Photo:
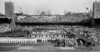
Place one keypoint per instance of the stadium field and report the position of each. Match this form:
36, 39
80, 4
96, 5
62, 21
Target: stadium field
51, 49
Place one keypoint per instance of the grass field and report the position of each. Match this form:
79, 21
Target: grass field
48, 48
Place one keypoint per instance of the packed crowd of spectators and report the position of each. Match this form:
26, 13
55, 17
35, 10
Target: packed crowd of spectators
88, 33
4, 27
55, 18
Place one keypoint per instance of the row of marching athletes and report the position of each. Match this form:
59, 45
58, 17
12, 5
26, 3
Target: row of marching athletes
27, 40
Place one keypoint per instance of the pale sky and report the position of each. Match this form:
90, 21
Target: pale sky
55, 6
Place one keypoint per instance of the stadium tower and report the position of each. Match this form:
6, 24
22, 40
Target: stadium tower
9, 13
96, 11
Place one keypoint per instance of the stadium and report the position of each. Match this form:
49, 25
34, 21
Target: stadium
51, 32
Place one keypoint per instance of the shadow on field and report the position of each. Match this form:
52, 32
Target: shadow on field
8, 48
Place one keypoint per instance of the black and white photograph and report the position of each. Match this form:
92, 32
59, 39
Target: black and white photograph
49, 25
